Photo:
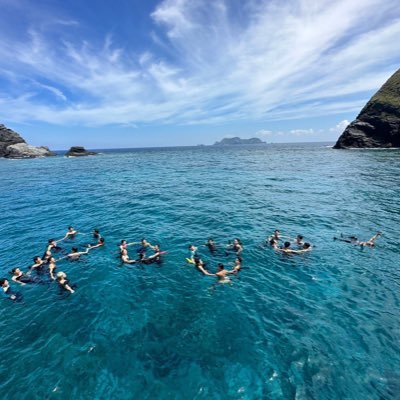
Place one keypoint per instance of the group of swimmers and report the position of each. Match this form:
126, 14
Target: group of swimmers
43, 270
46, 265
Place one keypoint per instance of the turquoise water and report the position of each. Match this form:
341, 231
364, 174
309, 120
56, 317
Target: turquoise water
324, 325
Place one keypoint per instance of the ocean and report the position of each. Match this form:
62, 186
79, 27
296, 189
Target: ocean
320, 325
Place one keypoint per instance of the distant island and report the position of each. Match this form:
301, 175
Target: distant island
237, 140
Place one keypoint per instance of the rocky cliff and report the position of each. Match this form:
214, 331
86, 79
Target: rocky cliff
7, 138
378, 124
12, 145
78, 151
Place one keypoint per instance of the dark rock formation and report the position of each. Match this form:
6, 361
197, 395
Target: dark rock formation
378, 124
78, 151
237, 140
12, 145
23, 150
7, 138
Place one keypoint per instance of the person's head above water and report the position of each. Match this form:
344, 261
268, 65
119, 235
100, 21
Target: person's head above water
123, 241
286, 245
124, 252
273, 242
70, 228
220, 266
61, 275
74, 250
306, 245
37, 259
3, 282
16, 271
299, 238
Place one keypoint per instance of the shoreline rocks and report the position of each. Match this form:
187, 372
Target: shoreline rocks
12, 145
378, 124
79, 151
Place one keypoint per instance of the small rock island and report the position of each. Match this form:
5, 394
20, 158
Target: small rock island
79, 151
378, 124
237, 140
12, 145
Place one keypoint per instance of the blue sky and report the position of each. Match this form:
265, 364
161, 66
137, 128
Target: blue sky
137, 73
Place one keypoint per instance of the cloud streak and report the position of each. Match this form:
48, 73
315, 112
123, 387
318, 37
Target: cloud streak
207, 66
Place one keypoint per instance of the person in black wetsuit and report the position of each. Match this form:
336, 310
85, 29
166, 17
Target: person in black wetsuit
38, 265
235, 247
8, 292
19, 277
64, 283
100, 243
211, 246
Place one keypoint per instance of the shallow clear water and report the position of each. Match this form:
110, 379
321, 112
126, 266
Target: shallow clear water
325, 325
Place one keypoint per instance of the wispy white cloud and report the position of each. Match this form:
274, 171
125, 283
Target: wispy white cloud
274, 61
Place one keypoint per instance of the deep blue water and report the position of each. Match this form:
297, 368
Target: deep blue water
324, 325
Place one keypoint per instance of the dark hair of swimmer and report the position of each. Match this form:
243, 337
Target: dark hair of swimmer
35, 259
123, 241
70, 227
13, 270
306, 245
50, 241
2, 281
74, 250
239, 259
96, 231
220, 266
300, 237
101, 240
190, 246
286, 245
272, 241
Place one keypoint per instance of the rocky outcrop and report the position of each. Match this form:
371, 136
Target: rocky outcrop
24, 150
7, 138
378, 124
237, 140
12, 145
78, 151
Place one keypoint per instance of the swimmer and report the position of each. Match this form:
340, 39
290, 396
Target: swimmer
46, 256
236, 247
299, 240
71, 233
200, 265
237, 265
370, 242
63, 282
273, 243
123, 245
156, 257
144, 244
52, 267
100, 243
75, 254
96, 234
5, 285
193, 253
20, 277
223, 273
125, 258
38, 265
52, 245
211, 246
286, 248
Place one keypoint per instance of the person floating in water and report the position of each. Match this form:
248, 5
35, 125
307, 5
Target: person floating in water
210, 244
193, 253
235, 247
356, 242
125, 258
20, 277
51, 267
288, 250
75, 254
63, 282
273, 243
154, 258
71, 233
38, 265
201, 266
237, 266
96, 234
8, 292
100, 243
222, 274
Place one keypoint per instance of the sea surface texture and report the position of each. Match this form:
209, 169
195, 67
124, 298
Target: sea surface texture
322, 325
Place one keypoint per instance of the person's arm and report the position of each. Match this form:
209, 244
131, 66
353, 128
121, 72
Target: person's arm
14, 278
81, 253
66, 286
204, 271
51, 270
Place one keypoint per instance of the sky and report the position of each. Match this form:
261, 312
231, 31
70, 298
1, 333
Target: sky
143, 73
